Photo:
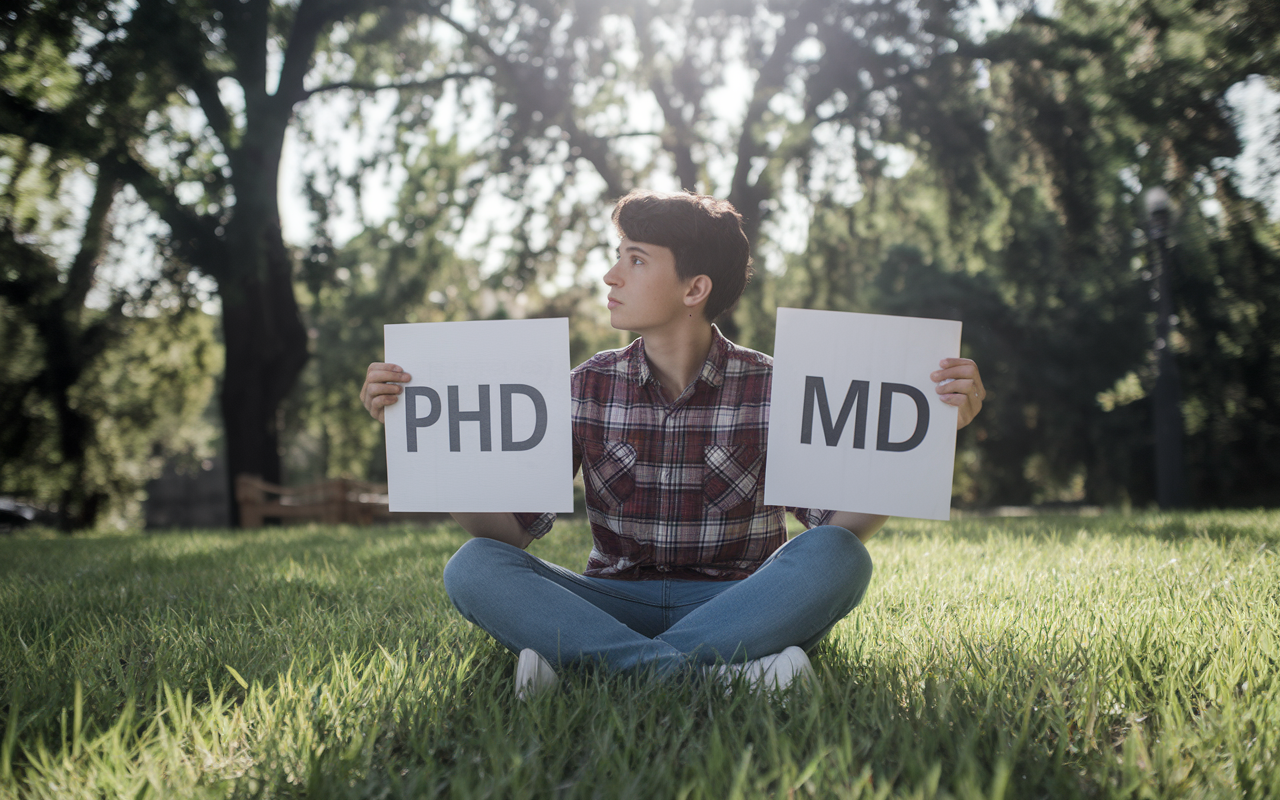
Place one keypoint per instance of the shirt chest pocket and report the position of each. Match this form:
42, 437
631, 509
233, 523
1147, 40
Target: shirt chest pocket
731, 476
611, 473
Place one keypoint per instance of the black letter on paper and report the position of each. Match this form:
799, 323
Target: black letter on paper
815, 388
411, 419
887, 391
539, 410
456, 418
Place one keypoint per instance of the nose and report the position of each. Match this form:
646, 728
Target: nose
611, 277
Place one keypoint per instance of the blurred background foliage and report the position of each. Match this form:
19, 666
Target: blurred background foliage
208, 208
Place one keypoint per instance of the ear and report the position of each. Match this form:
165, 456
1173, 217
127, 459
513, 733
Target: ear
697, 290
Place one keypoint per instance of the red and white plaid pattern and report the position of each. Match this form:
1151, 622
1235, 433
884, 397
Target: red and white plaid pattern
675, 491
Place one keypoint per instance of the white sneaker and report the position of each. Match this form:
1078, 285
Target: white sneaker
533, 674
783, 669
771, 673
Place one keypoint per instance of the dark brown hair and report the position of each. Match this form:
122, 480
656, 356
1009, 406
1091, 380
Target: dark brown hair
704, 234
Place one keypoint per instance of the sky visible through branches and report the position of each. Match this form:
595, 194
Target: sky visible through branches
351, 129
484, 239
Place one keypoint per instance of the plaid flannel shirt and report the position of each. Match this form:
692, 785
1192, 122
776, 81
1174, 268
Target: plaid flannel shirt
675, 490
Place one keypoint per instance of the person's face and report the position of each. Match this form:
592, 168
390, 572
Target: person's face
645, 293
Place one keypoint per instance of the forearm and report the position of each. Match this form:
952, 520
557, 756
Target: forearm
501, 526
861, 525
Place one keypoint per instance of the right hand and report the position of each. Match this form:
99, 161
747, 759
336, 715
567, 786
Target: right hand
382, 388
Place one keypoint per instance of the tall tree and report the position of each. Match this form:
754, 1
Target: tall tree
1110, 100
93, 392
1041, 251
83, 424
189, 102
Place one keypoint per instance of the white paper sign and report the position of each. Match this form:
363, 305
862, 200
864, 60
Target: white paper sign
484, 424
855, 423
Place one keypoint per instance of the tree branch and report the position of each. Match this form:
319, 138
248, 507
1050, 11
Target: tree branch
771, 75
185, 47
626, 134
594, 150
205, 85
309, 19
591, 146
194, 237
81, 273
426, 83
246, 26
50, 129
677, 143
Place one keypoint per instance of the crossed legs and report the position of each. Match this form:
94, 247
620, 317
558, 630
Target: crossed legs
795, 598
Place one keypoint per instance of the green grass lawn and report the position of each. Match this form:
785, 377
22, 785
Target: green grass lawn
1117, 656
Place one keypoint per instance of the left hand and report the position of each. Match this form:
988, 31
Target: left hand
959, 384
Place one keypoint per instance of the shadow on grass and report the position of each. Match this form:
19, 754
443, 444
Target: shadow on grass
441, 720
867, 729
303, 617
120, 616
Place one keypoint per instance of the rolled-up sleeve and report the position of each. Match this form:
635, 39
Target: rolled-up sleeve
812, 517
535, 524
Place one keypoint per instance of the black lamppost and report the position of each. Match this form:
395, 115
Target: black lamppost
1166, 398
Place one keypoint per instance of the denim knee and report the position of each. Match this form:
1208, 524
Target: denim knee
841, 559
470, 570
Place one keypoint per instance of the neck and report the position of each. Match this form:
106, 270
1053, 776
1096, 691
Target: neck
676, 354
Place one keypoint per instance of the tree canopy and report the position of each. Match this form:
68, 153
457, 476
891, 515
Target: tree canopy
889, 157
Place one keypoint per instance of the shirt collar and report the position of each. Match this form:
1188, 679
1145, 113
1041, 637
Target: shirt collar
712, 372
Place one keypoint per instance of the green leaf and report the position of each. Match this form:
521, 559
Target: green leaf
239, 678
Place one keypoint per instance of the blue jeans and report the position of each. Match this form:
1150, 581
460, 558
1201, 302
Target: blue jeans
795, 598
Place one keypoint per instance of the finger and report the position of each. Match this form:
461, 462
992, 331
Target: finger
387, 376
383, 388
376, 390
955, 371
960, 392
971, 387
961, 386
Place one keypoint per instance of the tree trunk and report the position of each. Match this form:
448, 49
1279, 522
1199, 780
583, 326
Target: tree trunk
72, 347
266, 349
266, 342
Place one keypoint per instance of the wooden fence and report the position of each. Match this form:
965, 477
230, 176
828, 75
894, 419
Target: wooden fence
332, 501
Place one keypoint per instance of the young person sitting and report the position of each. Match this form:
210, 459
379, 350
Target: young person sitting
689, 567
